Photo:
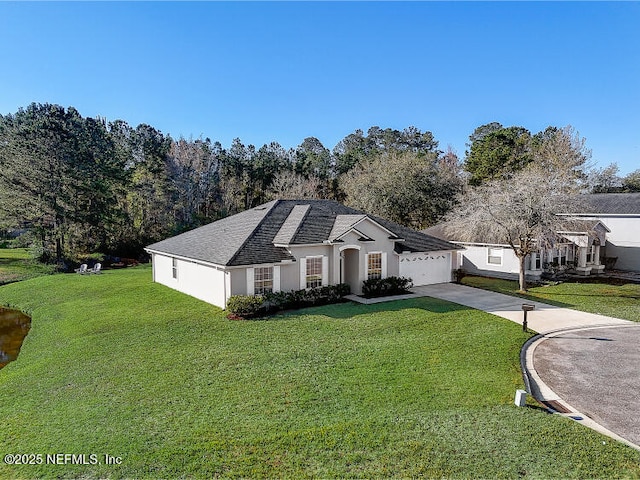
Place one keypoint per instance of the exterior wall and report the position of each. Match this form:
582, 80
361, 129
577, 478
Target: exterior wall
290, 277
475, 262
200, 281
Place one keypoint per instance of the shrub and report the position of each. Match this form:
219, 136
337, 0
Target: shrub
248, 306
245, 306
307, 298
382, 287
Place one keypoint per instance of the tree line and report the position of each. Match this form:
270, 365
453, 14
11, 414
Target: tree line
79, 184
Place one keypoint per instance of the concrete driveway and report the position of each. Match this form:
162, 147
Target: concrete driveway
583, 365
545, 318
593, 372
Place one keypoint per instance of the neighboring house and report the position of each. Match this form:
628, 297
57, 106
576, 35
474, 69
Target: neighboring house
620, 212
296, 244
577, 249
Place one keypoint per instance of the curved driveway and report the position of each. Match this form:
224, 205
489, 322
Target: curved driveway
584, 364
597, 372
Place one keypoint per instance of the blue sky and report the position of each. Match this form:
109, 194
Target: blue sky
284, 71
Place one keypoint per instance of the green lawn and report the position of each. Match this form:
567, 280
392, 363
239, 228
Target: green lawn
117, 365
620, 301
16, 265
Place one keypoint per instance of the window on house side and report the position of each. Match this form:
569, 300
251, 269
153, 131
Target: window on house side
374, 266
174, 268
494, 256
262, 280
314, 272
590, 254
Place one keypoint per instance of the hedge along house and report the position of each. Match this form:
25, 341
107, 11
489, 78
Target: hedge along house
296, 244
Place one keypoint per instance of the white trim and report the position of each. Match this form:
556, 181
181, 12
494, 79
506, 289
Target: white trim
276, 278
597, 216
251, 279
227, 288
347, 247
303, 273
383, 265
187, 259
325, 270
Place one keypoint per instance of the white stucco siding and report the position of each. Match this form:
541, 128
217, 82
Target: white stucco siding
476, 261
426, 268
623, 241
200, 281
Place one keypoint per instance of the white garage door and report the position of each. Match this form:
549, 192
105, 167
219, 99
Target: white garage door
426, 268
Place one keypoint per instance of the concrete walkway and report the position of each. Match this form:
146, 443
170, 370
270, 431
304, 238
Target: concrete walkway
555, 360
544, 319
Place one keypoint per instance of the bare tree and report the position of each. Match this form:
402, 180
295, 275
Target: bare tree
287, 184
522, 211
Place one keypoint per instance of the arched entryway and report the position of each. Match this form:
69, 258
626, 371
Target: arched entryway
350, 268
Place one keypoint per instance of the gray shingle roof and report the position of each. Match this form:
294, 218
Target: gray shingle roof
248, 237
216, 242
612, 203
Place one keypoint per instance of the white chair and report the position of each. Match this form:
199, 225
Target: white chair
96, 268
82, 270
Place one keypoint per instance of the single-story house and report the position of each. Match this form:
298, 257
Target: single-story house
577, 248
295, 244
620, 212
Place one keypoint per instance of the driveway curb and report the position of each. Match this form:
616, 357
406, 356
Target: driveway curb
544, 395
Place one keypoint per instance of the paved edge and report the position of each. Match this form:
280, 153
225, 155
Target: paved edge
544, 395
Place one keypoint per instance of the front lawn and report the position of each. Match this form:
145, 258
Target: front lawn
16, 264
620, 301
117, 365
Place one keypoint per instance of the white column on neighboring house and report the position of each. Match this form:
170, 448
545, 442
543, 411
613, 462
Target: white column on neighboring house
596, 255
582, 257
532, 261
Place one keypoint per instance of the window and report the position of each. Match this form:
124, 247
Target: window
494, 256
374, 266
174, 268
560, 256
263, 280
314, 272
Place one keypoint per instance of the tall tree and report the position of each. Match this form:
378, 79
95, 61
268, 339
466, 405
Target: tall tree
497, 153
521, 211
404, 187
357, 147
195, 177
605, 180
631, 182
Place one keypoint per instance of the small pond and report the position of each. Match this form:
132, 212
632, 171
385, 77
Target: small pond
14, 326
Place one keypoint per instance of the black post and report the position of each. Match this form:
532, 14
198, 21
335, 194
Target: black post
526, 308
